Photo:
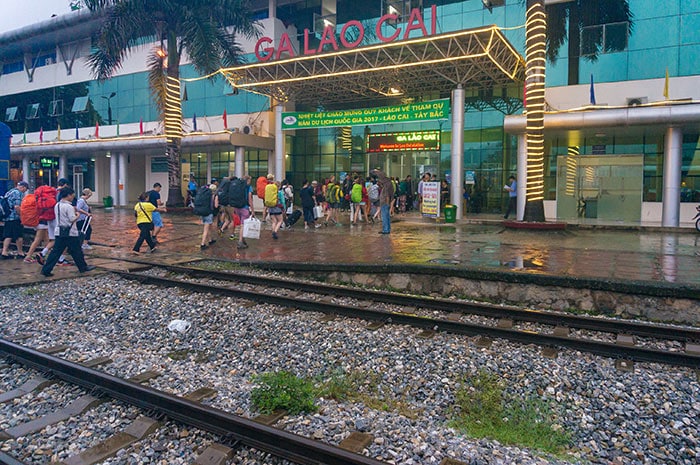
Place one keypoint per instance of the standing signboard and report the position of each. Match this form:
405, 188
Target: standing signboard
431, 200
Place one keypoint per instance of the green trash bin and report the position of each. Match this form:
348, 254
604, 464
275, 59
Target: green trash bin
107, 201
450, 213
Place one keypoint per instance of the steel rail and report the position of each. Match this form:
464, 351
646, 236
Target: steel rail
526, 337
256, 435
474, 308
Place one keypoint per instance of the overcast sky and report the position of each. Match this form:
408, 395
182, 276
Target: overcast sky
18, 13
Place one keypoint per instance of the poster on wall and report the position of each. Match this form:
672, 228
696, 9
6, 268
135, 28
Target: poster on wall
431, 200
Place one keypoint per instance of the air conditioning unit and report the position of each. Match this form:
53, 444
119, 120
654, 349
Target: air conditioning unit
636, 101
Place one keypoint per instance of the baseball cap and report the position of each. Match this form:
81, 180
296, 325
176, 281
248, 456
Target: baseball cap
23, 184
63, 181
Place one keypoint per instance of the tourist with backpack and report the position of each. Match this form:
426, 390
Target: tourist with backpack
358, 194
386, 197
241, 200
308, 202
205, 202
274, 202
46, 198
334, 195
13, 230
373, 197
143, 210
66, 233
154, 198
224, 213
29, 214
84, 211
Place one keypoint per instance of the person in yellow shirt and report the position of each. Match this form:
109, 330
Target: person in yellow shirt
144, 221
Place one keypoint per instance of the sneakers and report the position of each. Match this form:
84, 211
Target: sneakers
317, 226
46, 274
88, 268
232, 237
212, 241
152, 250
242, 245
274, 235
203, 246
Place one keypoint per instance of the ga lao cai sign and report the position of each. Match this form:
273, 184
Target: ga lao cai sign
266, 49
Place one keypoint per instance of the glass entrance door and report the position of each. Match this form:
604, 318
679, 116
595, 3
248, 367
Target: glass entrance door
600, 187
401, 164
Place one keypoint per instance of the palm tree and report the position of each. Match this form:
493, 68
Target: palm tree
205, 29
582, 14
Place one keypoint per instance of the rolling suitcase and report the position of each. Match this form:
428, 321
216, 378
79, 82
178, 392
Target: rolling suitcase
293, 218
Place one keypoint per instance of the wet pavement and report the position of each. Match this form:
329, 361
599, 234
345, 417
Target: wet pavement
657, 255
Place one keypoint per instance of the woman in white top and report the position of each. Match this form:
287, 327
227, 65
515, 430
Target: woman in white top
67, 235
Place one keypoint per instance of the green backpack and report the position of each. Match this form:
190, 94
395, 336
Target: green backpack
356, 194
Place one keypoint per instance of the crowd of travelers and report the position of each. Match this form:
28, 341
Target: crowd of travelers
226, 209
61, 221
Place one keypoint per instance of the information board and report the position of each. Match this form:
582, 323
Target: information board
430, 206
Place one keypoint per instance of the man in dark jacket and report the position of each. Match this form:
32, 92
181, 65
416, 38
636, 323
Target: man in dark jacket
386, 196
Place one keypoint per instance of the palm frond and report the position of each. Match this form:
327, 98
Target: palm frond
557, 16
157, 79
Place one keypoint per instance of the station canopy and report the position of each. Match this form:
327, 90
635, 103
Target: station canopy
480, 58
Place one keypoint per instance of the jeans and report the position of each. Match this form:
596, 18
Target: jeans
386, 218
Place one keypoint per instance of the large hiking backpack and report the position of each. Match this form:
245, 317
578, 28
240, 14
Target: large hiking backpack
5, 208
334, 193
356, 193
28, 213
202, 201
271, 199
45, 201
260, 185
224, 199
373, 193
237, 193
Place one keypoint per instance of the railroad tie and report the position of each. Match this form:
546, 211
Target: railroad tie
77, 407
136, 431
356, 442
215, 454
37, 383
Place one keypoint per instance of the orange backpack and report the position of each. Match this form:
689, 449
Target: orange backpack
260, 185
28, 211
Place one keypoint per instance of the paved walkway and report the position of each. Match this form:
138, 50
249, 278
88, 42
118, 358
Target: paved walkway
601, 252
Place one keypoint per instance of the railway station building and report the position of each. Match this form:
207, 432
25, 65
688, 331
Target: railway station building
335, 87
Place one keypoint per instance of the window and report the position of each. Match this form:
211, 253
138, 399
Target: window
15, 67
11, 114
32, 111
80, 104
604, 38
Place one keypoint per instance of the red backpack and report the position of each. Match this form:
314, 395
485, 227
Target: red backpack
260, 185
45, 201
28, 213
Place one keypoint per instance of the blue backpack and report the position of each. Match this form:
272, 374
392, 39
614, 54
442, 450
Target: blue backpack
5, 208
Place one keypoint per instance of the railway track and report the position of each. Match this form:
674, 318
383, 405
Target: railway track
557, 331
156, 405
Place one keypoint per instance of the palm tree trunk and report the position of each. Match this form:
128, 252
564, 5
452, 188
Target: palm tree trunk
535, 44
173, 124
